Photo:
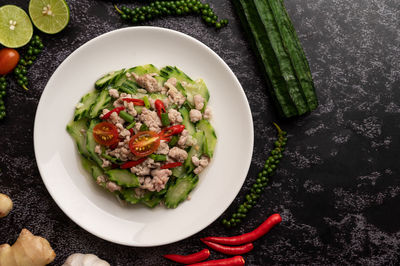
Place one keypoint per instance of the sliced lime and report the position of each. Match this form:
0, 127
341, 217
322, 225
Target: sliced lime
49, 16
15, 26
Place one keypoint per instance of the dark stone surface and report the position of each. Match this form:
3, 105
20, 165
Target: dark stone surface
338, 186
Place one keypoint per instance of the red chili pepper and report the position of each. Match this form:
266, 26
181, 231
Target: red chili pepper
271, 221
132, 163
233, 261
137, 102
191, 258
159, 105
169, 131
131, 131
171, 165
229, 250
117, 110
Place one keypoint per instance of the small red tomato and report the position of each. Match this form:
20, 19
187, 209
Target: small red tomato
8, 60
105, 134
144, 143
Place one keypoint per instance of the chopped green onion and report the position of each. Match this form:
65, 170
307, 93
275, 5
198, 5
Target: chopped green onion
146, 102
127, 117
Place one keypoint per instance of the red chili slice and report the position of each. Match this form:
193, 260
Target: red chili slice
233, 261
131, 164
171, 165
229, 250
271, 221
137, 102
191, 258
159, 105
169, 131
117, 110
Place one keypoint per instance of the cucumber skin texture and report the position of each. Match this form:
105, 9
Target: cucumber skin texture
210, 139
87, 100
92, 168
91, 143
74, 129
296, 52
123, 177
196, 149
102, 101
108, 79
277, 42
179, 191
255, 31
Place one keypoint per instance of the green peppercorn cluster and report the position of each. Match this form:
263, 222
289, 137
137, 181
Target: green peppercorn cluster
3, 86
175, 8
34, 48
261, 182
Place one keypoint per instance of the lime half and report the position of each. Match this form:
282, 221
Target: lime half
49, 16
15, 26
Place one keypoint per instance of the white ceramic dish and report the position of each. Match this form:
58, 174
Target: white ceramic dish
96, 210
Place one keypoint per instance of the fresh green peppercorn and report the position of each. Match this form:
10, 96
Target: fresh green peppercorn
262, 179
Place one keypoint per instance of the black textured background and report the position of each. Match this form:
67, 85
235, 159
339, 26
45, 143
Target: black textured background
338, 186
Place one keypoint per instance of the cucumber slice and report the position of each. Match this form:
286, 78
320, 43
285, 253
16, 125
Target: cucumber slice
102, 100
85, 104
173, 72
157, 96
198, 88
145, 69
123, 177
128, 86
91, 143
210, 137
186, 121
108, 79
179, 191
92, 168
195, 150
179, 171
152, 199
75, 128
129, 195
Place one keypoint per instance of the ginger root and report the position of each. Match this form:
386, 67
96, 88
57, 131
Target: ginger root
79, 259
6, 205
28, 250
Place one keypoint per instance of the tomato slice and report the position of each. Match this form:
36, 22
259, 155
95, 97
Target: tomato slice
144, 143
105, 134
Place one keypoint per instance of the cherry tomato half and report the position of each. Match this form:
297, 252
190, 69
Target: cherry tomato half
8, 60
144, 143
105, 134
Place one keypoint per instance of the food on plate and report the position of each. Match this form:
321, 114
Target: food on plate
144, 134
15, 26
79, 259
6, 205
8, 60
280, 51
27, 250
190, 258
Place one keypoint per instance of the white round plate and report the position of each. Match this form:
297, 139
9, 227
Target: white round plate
97, 210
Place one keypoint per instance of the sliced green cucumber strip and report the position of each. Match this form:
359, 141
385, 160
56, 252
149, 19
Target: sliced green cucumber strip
179, 191
123, 177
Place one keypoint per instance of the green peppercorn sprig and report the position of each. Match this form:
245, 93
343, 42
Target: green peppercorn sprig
3, 86
34, 48
176, 8
261, 182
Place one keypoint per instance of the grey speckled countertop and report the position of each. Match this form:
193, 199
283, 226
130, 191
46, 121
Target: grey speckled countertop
338, 186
